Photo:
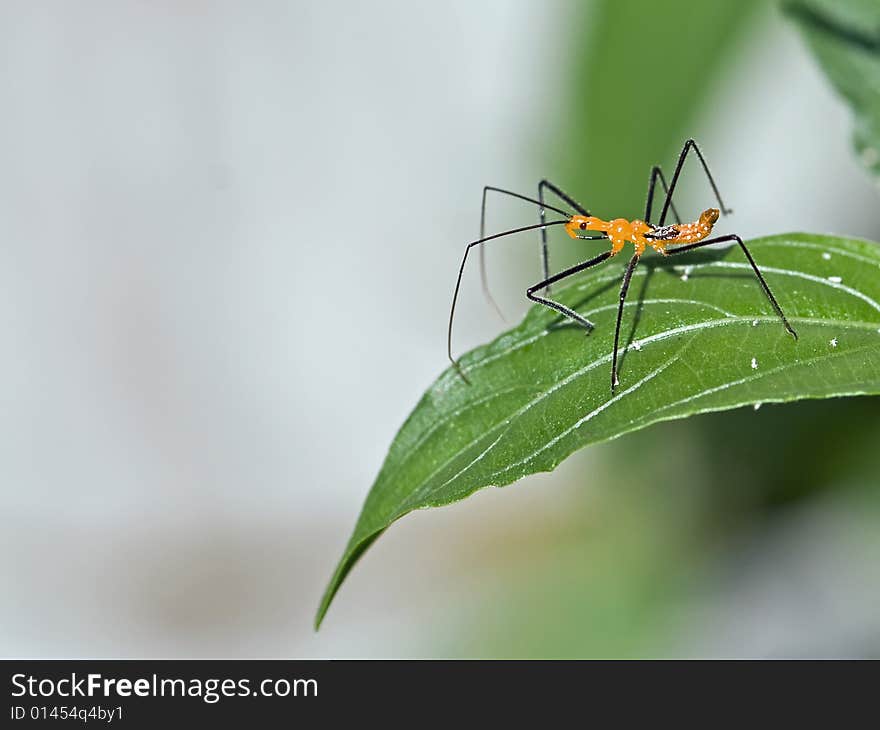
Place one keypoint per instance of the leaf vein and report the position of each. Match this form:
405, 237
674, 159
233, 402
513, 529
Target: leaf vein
789, 272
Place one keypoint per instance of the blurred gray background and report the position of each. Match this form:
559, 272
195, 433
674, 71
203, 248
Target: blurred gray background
229, 238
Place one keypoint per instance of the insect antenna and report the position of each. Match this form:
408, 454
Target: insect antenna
484, 279
467, 250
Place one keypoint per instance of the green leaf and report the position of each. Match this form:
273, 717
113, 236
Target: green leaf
698, 336
844, 35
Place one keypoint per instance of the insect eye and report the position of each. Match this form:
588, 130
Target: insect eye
583, 226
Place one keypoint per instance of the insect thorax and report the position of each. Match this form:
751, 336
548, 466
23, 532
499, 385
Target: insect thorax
664, 233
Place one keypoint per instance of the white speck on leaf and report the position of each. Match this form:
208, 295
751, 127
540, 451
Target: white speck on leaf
754, 364
833, 342
636, 345
757, 406
834, 279
826, 256
754, 323
686, 273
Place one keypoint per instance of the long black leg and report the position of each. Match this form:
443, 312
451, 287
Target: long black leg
484, 279
566, 198
764, 286
561, 308
688, 146
656, 173
623, 290
467, 250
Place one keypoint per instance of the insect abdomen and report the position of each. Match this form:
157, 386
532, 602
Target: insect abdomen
691, 233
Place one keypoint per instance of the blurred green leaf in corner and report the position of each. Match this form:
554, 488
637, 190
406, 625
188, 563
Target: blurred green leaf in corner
844, 35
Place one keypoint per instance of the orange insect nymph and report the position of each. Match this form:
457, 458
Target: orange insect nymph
668, 240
